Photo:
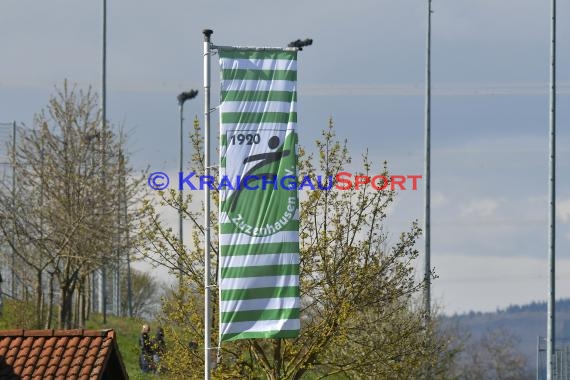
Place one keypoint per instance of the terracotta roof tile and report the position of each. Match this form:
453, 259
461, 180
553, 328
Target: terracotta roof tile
4, 344
50, 370
59, 354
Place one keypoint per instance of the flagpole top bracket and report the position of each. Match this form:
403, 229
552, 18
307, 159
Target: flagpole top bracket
207, 34
300, 44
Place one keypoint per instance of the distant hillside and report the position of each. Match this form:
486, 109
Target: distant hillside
527, 322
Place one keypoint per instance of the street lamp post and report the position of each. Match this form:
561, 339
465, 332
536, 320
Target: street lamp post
551, 368
182, 97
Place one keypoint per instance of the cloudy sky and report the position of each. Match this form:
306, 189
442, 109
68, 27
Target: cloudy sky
366, 70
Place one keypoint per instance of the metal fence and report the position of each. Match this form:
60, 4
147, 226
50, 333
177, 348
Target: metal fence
6, 173
105, 287
561, 360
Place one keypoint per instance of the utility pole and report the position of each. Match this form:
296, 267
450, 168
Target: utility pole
427, 170
182, 98
103, 282
551, 328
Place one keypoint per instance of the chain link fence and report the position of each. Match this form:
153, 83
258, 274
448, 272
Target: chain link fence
561, 360
7, 138
11, 285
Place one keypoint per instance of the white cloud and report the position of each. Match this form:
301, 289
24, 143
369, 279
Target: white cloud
563, 210
480, 208
438, 199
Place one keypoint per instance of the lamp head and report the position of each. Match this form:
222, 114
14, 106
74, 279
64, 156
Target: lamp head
186, 95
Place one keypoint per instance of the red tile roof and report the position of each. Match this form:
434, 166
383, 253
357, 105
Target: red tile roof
60, 354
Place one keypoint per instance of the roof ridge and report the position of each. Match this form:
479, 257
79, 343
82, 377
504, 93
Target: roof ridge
58, 332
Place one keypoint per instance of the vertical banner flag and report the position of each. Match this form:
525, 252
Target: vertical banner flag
259, 217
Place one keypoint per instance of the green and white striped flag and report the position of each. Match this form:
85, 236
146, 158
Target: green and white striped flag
259, 217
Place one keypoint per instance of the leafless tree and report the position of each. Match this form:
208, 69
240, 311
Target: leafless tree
62, 222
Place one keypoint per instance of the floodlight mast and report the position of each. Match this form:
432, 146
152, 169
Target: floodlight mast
551, 327
182, 98
427, 173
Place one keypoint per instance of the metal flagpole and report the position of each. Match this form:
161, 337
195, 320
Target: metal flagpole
427, 216
551, 339
180, 194
207, 317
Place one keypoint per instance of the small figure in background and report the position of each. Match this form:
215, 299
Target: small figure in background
145, 345
159, 347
